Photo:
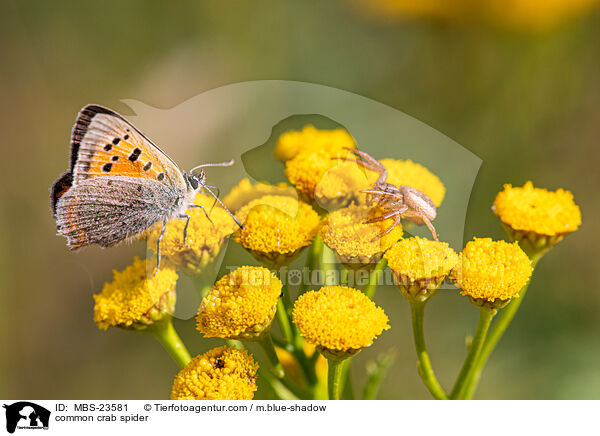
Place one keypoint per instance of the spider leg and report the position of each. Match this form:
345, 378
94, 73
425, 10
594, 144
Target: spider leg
185, 228
362, 163
382, 193
430, 227
374, 164
386, 215
389, 229
162, 232
205, 213
367, 162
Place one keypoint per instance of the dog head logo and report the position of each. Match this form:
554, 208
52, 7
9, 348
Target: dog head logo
26, 415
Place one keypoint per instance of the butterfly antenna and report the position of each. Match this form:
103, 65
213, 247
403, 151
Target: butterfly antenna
220, 164
224, 207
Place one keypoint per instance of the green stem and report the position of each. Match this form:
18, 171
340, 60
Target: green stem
284, 321
307, 366
313, 261
376, 371
279, 388
328, 263
348, 389
287, 300
496, 332
168, 337
266, 344
469, 366
374, 278
335, 370
424, 364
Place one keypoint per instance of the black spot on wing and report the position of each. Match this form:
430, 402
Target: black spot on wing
161, 176
107, 167
108, 147
115, 158
147, 166
135, 154
126, 137
116, 141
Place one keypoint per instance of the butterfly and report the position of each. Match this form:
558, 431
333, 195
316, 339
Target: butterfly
119, 184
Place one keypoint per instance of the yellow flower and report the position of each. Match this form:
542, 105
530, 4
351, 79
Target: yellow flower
241, 305
204, 238
537, 15
223, 373
535, 217
341, 185
245, 192
530, 15
136, 298
355, 243
307, 169
340, 321
420, 266
277, 228
491, 270
409, 173
311, 139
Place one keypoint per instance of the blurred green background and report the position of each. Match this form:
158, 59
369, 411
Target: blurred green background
516, 86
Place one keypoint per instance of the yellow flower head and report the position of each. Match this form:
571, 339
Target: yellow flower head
223, 373
409, 173
136, 298
536, 218
276, 228
340, 321
310, 139
488, 270
355, 243
204, 238
342, 184
420, 266
307, 169
241, 305
527, 15
535, 15
537, 210
245, 192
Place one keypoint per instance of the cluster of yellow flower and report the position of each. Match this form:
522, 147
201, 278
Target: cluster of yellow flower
279, 223
528, 15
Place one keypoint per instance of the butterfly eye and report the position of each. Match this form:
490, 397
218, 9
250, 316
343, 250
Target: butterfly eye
192, 179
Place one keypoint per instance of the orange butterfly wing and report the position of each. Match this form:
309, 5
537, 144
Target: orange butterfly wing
105, 143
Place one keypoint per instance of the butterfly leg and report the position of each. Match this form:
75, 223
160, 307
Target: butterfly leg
218, 193
162, 232
205, 213
185, 228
